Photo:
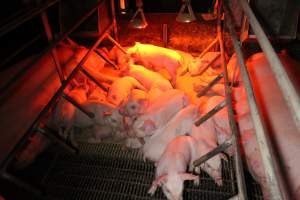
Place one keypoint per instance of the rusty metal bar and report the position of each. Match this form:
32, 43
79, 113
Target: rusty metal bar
287, 88
116, 43
242, 191
93, 79
263, 140
210, 113
106, 59
57, 139
208, 65
78, 106
23, 18
9, 58
46, 50
53, 50
212, 83
165, 35
113, 14
209, 47
209, 155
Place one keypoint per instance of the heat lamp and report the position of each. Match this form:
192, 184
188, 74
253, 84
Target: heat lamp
141, 22
183, 16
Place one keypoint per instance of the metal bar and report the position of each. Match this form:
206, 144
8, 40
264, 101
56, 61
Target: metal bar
9, 58
165, 35
21, 183
210, 113
53, 50
46, 50
116, 43
208, 65
242, 191
54, 98
78, 106
208, 48
212, 83
209, 155
57, 139
268, 158
106, 59
113, 13
29, 15
287, 88
236, 197
93, 79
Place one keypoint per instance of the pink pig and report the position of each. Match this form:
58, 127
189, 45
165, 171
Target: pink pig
181, 123
156, 58
171, 167
147, 77
160, 112
121, 88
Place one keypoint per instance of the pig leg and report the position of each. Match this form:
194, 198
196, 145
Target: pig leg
157, 182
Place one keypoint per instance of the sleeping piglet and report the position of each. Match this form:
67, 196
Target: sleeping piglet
181, 123
160, 112
171, 167
147, 77
121, 88
156, 58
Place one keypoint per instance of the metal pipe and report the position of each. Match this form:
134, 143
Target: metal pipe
165, 35
53, 99
212, 83
93, 79
106, 59
21, 183
210, 113
235, 137
262, 138
57, 139
116, 43
47, 49
209, 155
23, 18
208, 65
53, 50
114, 22
19, 50
209, 47
78, 106
287, 88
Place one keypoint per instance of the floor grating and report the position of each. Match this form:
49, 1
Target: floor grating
106, 171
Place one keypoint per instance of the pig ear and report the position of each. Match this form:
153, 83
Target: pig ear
157, 182
187, 176
148, 127
106, 114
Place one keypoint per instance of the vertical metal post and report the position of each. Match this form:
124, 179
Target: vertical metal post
53, 50
113, 14
242, 192
287, 88
262, 138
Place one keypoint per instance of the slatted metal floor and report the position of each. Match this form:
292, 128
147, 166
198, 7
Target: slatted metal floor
106, 171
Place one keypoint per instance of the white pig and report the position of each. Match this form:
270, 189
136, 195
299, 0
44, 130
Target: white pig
147, 77
160, 112
171, 167
157, 58
121, 88
181, 123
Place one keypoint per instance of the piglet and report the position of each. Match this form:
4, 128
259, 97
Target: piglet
160, 112
157, 58
121, 88
147, 77
181, 123
171, 167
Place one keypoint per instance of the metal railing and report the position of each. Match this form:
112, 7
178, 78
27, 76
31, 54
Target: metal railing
35, 126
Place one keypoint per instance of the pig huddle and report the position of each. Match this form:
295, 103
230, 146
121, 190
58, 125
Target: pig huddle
151, 105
